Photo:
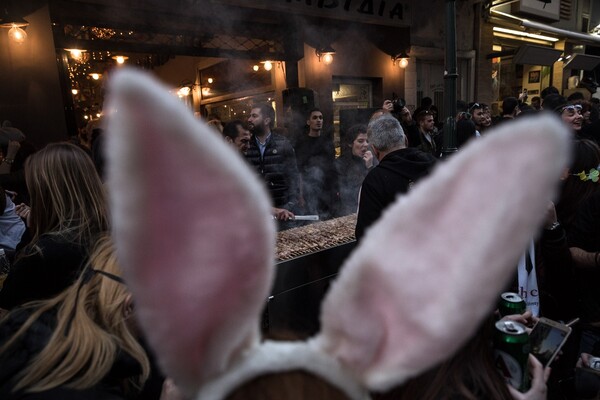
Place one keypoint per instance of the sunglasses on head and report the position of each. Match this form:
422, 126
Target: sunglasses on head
571, 107
464, 115
86, 277
475, 106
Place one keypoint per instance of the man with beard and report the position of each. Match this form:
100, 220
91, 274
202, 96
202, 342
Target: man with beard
316, 155
399, 167
273, 157
478, 116
428, 133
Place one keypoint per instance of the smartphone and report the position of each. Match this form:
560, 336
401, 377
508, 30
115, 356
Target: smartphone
547, 338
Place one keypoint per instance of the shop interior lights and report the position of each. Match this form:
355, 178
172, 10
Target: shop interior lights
268, 65
76, 54
120, 59
523, 34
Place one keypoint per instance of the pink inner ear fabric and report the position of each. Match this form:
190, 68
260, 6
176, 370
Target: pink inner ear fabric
192, 228
432, 267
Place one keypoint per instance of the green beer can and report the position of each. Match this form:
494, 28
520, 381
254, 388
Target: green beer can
511, 303
511, 352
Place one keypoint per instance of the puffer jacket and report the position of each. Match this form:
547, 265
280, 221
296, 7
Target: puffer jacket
278, 169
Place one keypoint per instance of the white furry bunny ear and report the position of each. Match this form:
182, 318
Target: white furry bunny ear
192, 230
433, 266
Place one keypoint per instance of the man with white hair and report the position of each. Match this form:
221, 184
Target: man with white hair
399, 167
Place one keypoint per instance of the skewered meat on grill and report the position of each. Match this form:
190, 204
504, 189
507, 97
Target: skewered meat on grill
315, 237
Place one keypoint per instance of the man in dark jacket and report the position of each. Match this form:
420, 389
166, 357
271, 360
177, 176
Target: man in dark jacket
399, 167
273, 157
316, 162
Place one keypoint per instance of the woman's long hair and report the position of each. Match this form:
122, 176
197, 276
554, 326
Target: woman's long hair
67, 196
586, 155
91, 330
469, 375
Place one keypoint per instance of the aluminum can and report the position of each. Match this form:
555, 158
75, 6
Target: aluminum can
595, 363
511, 303
4, 267
511, 353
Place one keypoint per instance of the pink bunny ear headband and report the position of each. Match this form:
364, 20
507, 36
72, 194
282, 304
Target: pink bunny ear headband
192, 228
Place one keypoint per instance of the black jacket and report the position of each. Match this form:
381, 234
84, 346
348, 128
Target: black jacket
42, 274
393, 176
278, 170
351, 171
316, 157
33, 341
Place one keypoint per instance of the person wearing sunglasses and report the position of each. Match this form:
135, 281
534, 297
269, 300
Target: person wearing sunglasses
571, 115
477, 116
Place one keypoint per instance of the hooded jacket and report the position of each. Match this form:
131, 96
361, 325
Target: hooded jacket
394, 175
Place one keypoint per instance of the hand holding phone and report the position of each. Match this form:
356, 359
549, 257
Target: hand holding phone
547, 338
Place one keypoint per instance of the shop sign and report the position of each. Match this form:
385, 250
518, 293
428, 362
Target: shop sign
381, 12
539, 9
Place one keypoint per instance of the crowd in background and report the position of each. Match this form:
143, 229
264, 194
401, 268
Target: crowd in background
70, 331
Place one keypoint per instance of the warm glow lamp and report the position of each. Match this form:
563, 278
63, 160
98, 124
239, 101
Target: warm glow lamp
326, 54
401, 58
120, 59
76, 53
15, 25
17, 35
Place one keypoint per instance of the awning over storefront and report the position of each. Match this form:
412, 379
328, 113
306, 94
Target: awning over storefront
530, 55
536, 55
584, 62
538, 26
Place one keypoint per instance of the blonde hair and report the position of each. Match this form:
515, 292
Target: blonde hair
67, 196
90, 330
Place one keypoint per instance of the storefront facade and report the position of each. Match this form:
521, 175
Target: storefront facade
213, 55
535, 45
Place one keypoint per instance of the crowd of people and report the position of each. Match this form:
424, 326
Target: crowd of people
66, 315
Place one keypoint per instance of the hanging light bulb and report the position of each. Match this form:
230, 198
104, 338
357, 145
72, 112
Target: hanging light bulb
74, 91
255, 68
403, 62
268, 65
17, 35
120, 59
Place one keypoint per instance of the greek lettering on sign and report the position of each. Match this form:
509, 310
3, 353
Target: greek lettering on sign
382, 8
